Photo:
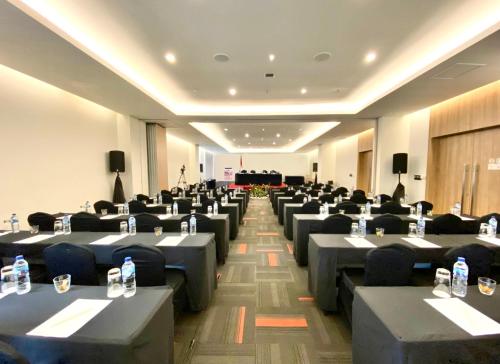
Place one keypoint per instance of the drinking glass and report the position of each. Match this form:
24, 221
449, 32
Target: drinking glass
429, 212
483, 230
401, 200
442, 283
7, 280
486, 285
363, 210
412, 230
335, 200
34, 229
209, 210
321, 210
412, 210
115, 287
169, 209
193, 211
354, 230
104, 212
379, 232
184, 228
158, 230
58, 227
62, 283
123, 227
342, 212
194, 200
121, 210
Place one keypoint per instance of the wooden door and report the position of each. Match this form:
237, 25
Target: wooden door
364, 176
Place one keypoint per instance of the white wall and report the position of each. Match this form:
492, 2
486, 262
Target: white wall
346, 161
181, 152
327, 161
207, 159
55, 147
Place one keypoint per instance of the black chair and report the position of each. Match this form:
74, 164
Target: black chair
342, 191
44, 221
167, 198
358, 198
448, 224
9, 355
203, 198
202, 222
392, 224
478, 258
141, 197
384, 198
390, 265
166, 192
348, 207
289, 193
486, 218
156, 210
146, 223
392, 207
327, 189
83, 221
252, 171
137, 207
264, 171
317, 186
311, 207
243, 171
359, 192
298, 198
327, 198
426, 206
205, 204
337, 224
66, 258
184, 206
105, 205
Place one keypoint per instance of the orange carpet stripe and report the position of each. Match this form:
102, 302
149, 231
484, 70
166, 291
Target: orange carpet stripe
269, 250
273, 259
306, 299
290, 248
264, 321
240, 325
242, 248
249, 218
267, 234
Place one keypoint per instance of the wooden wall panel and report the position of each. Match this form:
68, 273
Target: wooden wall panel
365, 141
364, 175
161, 157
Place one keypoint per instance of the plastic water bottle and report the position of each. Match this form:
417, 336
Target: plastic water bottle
134, 198
368, 209
128, 277
378, 200
198, 199
327, 208
362, 227
216, 208
66, 225
192, 225
340, 198
126, 210
460, 275
309, 198
159, 198
22, 275
175, 209
420, 226
14, 223
458, 208
493, 226
132, 228
305, 199
419, 209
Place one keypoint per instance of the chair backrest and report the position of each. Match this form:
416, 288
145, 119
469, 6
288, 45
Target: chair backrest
478, 258
341, 190
392, 224
327, 198
359, 192
389, 265
167, 198
83, 221
392, 207
205, 204
348, 207
202, 222
337, 224
77, 260
358, 198
486, 218
203, 198
311, 207
44, 221
149, 263
298, 198
426, 206
243, 171
327, 188
289, 193
9, 355
141, 197
448, 224
136, 207
184, 206
252, 171
146, 223
264, 171
384, 198
107, 205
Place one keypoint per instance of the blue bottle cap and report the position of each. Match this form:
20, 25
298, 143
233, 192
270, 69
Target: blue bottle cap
461, 259
128, 259
19, 257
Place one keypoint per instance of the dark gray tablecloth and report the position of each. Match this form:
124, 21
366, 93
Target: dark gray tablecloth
196, 254
272, 191
395, 325
139, 329
282, 200
275, 201
257, 179
328, 253
304, 224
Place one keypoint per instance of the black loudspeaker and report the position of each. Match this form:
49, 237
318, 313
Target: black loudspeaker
315, 167
116, 161
399, 163
201, 167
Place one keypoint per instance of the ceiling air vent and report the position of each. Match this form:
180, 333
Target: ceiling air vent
456, 70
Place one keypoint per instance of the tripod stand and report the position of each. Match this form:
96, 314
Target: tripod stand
182, 179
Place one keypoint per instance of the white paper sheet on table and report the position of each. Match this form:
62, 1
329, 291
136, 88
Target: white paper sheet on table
375, 205
365, 216
495, 241
421, 243
464, 218
416, 217
171, 241
34, 239
164, 216
151, 205
110, 216
4, 233
70, 319
108, 239
465, 316
360, 243
62, 217
2, 295
321, 217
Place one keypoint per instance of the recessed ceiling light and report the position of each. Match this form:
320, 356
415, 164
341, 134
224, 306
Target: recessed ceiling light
322, 56
262, 129
261, 139
274, 143
226, 129
221, 57
303, 90
289, 140
249, 143
370, 57
247, 135
170, 57
271, 57
234, 140
300, 129
232, 91
278, 135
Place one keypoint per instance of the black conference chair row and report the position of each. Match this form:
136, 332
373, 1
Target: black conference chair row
392, 265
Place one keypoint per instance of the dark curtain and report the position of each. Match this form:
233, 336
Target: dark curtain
118, 194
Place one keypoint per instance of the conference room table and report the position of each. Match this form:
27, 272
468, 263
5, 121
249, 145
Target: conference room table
329, 253
138, 329
195, 254
305, 224
273, 179
397, 325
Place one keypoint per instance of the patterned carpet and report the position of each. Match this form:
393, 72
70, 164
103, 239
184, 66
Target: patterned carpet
262, 311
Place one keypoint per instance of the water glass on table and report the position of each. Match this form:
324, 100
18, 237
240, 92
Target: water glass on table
7, 280
34, 229
115, 284
362, 210
58, 227
120, 210
412, 230
354, 230
442, 283
483, 229
184, 228
104, 212
321, 210
209, 210
412, 210
169, 210
379, 232
486, 285
342, 212
158, 230
62, 283
123, 227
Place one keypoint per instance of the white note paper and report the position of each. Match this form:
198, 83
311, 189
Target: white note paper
70, 319
34, 239
466, 218
110, 216
164, 216
4, 233
416, 217
2, 295
494, 241
365, 216
152, 205
465, 316
171, 241
375, 205
360, 243
421, 243
321, 217
108, 239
